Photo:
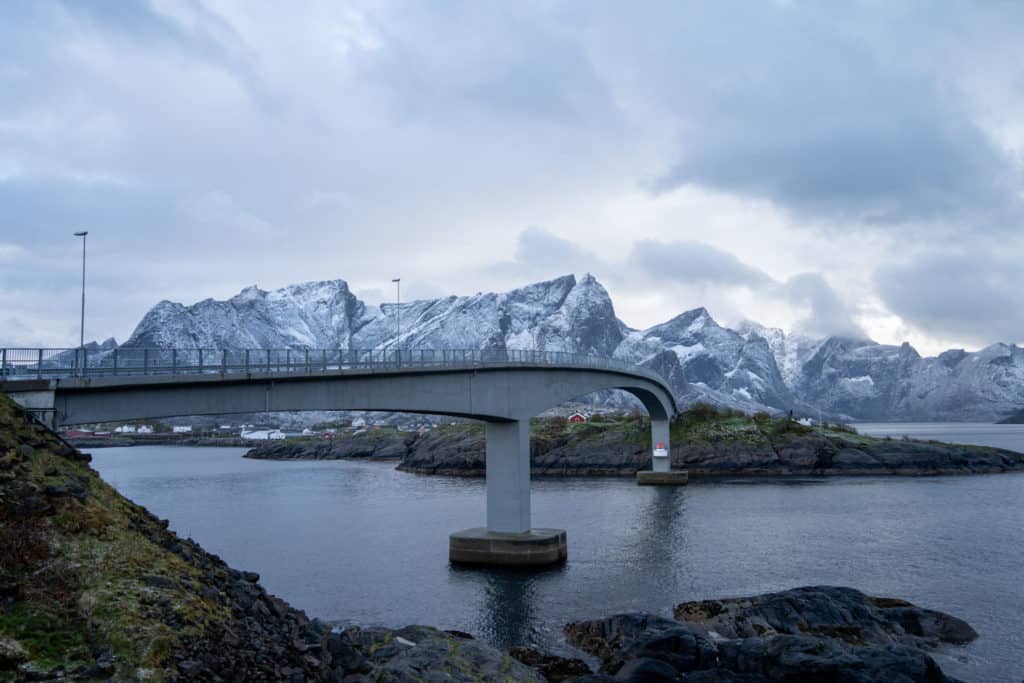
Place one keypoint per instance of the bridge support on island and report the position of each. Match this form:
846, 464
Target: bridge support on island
661, 472
501, 387
508, 538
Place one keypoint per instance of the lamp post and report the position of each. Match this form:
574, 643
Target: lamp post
81, 327
398, 307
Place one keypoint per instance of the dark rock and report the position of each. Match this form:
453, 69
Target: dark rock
459, 634
12, 653
372, 444
417, 653
625, 637
25, 450
828, 634
554, 668
812, 658
343, 655
831, 611
251, 577
646, 671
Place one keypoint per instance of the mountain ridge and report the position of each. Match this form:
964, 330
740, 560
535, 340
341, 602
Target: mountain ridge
752, 367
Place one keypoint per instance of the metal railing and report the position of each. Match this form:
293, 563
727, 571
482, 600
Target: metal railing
26, 364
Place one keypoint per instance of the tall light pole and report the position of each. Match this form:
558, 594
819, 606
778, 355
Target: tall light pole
81, 327
398, 307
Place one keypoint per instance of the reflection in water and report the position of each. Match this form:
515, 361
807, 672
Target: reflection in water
358, 542
507, 613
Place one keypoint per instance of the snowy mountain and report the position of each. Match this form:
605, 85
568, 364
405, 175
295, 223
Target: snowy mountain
753, 367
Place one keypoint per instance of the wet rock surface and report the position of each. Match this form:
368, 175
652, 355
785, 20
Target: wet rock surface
836, 612
369, 445
806, 634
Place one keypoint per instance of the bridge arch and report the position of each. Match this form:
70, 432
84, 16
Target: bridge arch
505, 395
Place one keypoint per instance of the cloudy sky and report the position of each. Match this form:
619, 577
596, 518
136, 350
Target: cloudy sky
835, 167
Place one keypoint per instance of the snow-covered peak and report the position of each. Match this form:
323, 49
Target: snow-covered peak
753, 366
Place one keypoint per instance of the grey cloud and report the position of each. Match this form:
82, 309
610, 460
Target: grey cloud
260, 144
827, 113
542, 251
687, 264
524, 63
691, 262
975, 295
827, 313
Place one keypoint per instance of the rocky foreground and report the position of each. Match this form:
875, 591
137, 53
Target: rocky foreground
705, 441
94, 587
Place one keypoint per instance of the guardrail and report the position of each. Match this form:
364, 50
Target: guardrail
26, 364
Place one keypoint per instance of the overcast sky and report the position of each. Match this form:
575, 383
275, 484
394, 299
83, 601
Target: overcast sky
830, 167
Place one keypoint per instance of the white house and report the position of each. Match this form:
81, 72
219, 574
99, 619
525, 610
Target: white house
125, 429
145, 429
181, 429
264, 435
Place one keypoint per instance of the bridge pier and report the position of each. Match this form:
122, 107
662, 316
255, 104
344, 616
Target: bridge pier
661, 472
508, 538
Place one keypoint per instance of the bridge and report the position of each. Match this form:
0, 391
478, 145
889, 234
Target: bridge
503, 388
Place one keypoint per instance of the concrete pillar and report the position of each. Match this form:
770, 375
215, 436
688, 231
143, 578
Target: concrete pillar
508, 476
508, 539
661, 472
660, 435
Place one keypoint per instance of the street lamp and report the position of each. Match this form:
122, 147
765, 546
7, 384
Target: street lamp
81, 328
398, 307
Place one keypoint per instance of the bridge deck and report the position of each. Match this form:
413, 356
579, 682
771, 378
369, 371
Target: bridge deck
20, 365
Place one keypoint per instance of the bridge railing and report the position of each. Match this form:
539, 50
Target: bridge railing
25, 364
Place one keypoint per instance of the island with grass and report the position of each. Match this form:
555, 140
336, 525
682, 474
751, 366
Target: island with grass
706, 441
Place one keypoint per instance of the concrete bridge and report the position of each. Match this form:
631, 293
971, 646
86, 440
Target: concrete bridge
504, 389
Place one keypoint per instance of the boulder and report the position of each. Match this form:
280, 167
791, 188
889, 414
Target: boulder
621, 638
12, 653
831, 611
423, 653
554, 668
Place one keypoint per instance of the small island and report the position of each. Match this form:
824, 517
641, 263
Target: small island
706, 441
1016, 418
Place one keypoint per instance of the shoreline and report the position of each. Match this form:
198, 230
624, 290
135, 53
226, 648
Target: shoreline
177, 612
704, 442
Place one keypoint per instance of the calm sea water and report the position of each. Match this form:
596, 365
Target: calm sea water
976, 433
358, 542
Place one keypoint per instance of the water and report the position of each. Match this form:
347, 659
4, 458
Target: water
358, 542
977, 433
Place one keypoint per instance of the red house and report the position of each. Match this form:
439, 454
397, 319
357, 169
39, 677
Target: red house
577, 417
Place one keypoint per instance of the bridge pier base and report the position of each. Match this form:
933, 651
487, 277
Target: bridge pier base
661, 472
508, 539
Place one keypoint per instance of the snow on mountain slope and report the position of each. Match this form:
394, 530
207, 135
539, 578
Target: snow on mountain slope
740, 370
314, 315
752, 368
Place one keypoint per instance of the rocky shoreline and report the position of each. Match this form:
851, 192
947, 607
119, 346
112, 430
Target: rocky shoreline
710, 444
123, 440
94, 587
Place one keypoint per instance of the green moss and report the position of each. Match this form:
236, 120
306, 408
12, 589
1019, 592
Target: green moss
97, 579
46, 630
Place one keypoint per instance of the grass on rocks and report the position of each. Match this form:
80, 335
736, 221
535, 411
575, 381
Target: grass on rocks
79, 574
